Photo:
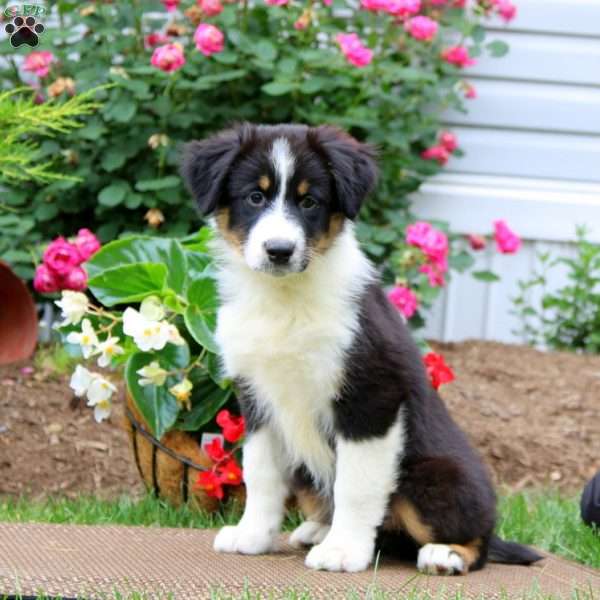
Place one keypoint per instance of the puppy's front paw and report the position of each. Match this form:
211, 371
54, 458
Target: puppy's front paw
440, 559
244, 540
340, 555
308, 534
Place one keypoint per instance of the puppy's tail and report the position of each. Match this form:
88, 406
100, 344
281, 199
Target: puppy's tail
511, 552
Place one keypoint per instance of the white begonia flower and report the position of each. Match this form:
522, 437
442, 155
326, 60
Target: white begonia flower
147, 335
87, 338
152, 308
182, 392
108, 349
173, 334
73, 306
80, 380
152, 374
99, 396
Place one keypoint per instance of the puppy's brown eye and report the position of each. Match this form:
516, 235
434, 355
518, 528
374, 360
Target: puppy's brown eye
256, 199
308, 202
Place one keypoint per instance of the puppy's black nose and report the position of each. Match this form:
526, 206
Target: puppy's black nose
279, 251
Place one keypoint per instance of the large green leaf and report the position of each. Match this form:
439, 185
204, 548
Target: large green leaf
208, 399
128, 283
143, 249
201, 314
170, 181
156, 404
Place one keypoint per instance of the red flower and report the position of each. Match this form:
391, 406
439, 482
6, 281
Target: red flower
45, 280
438, 153
477, 242
230, 473
61, 256
211, 484
215, 450
448, 140
437, 369
233, 427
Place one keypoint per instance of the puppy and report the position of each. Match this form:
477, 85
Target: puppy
338, 406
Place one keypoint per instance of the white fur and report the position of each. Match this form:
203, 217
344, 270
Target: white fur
366, 474
276, 224
287, 338
308, 534
440, 559
265, 479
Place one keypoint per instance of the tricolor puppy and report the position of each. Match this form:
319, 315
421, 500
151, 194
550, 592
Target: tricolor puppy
339, 409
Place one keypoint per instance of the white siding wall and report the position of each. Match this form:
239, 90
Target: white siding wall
532, 144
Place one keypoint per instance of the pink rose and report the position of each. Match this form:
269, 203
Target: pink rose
403, 8
155, 38
61, 256
470, 91
432, 241
435, 276
209, 40
459, 3
327, 2
168, 58
87, 243
422, 28
170, 5
506, 9
75, 280
210, 8
448, 140
404, 300
45, 281
353, 49
477, 242
38, 62
438, 153
276, 2
507, 241
458, 56
374, 5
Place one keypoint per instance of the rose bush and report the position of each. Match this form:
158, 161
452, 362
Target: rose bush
385, 70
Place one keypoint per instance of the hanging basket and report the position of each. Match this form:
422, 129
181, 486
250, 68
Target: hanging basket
169, 467
18, 318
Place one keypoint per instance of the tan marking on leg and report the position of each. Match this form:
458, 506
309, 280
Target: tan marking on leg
336, 224
312, 505
231, 235
303, 187
403, 515
264, 183
468, 552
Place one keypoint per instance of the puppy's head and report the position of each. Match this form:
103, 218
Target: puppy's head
279, 194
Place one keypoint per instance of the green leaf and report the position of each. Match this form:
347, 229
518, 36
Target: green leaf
210, 399
163, 183
156, 404
201, 314
128, 283
278, 88
135, 250
122, 110
113, 194
486, 276
497, 48
265, 50
113, 159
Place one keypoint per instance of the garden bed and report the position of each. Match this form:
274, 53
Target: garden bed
534, 416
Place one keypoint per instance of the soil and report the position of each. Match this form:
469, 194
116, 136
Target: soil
534, 416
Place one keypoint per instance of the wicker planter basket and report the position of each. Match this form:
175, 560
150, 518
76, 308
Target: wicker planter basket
169, 467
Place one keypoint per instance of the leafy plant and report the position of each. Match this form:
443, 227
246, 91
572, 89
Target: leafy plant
166, 348
567, 318
271, 64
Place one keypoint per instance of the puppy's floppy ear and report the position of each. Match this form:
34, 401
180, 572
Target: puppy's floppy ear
351, 163
206, 163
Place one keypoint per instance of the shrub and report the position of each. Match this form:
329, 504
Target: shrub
380, 71
569, 317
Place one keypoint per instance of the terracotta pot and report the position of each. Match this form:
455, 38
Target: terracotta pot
18, 318
170, 467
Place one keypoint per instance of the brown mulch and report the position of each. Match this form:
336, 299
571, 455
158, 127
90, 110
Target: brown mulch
534, 416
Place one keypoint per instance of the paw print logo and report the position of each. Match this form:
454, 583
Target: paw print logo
24, 31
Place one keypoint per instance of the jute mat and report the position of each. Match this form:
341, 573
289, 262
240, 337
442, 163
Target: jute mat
96, 561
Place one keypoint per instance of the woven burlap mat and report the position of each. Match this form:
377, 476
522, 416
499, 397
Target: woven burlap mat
95, 561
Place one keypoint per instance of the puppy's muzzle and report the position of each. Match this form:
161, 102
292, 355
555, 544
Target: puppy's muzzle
279, 251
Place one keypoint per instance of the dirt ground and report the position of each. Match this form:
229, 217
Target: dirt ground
535, 417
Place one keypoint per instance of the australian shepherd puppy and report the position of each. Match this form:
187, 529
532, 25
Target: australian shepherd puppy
338, 406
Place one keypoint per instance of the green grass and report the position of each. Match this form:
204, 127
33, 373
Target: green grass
544, 519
